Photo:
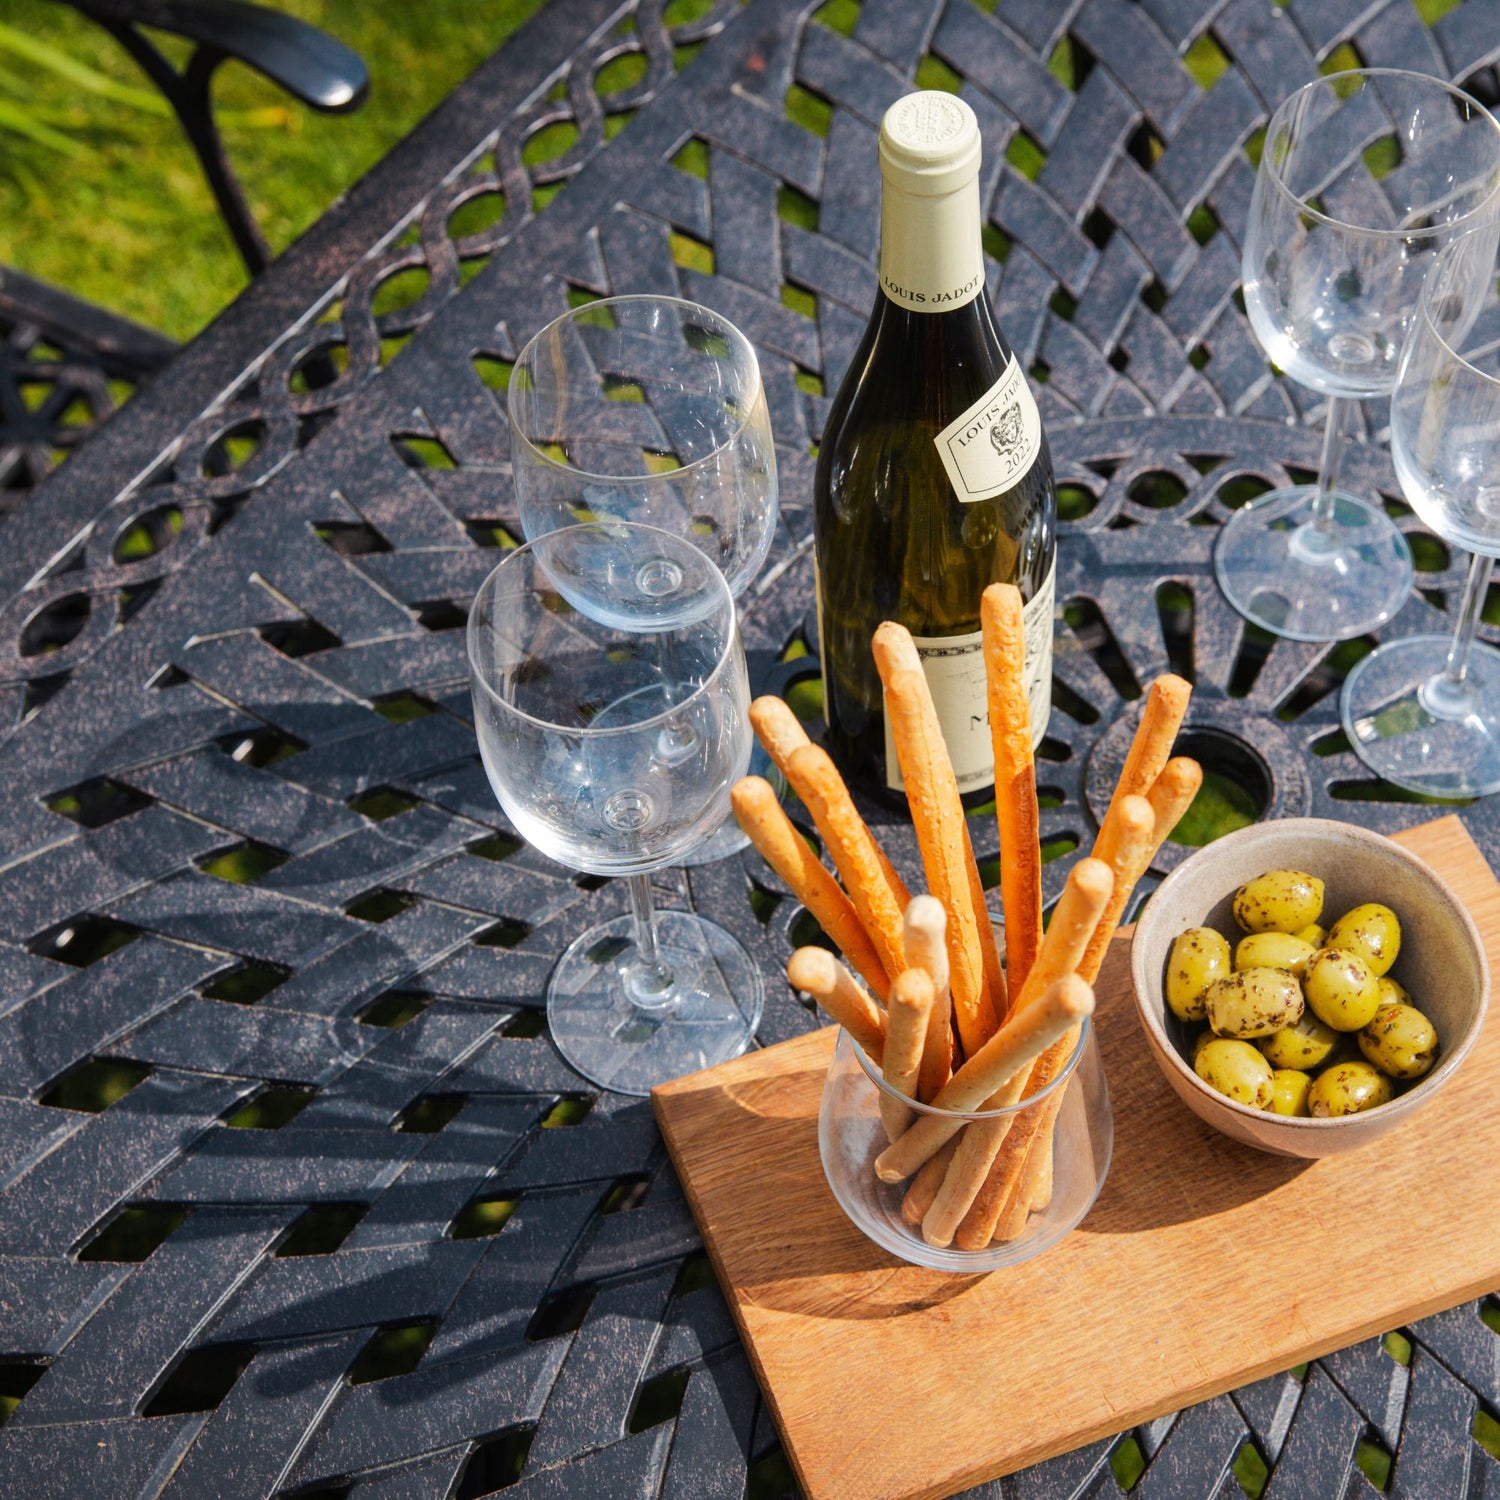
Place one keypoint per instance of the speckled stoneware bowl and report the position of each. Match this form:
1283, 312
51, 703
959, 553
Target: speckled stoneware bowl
1441, 963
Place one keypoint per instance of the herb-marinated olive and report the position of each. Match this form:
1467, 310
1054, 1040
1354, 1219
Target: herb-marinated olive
1372, 931
1346, 1089
1254, 1002
1279, 901
1307, 1043
1392, 993
1341, 989
1400, 1041
1289, 1090
1199, 958
1313, 934
1237, 1071
1273, 950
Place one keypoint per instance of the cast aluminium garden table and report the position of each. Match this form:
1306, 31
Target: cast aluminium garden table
353, 1227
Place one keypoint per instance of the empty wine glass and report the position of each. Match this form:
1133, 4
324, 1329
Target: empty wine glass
1364, 176
611, 744
1424, 711
650, 410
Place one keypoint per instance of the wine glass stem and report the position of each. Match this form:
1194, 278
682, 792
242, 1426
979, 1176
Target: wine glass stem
649, 982
1328, 468
1476, 586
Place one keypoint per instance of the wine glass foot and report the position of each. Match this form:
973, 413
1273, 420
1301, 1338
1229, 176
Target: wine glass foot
1285, 573
1408, 724
709, 1016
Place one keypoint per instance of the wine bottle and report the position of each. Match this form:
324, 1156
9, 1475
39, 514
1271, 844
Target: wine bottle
934, 478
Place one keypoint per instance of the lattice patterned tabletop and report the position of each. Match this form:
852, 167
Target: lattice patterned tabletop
350, 1226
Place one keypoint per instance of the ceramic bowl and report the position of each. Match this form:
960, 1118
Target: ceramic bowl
1441, 963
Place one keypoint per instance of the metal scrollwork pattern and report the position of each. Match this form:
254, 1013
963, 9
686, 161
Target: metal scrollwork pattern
295, 1195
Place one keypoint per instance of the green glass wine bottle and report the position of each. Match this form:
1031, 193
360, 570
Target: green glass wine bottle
934, 478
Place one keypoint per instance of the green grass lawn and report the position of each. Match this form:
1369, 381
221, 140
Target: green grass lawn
104, 198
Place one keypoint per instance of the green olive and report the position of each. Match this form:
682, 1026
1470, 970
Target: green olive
1199, 957
1341, 989
1236, 1070
1273, 950
1346, 1089
1313, 934
1306, 1043
1400, 1041
1289, 1090
1278, 901
1254, 1002
1372, 931
1392, 993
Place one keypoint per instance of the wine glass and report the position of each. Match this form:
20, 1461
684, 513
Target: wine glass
651, 410
1364, 176
611, 744
1424, 711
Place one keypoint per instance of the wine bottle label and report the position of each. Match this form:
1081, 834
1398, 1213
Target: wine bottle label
992, 445
954, 668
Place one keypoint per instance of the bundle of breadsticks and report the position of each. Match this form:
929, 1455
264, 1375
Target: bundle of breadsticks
945, 1021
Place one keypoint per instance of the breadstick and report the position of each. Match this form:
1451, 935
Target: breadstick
905, 1036
780, 731
1171, 795
1023, 1038
822, 976
853, 851
1034, 1182
1124, 844
1166, 707
787, 852
1085, 896
997, 1197
983, 1140
922, 1189
1016, 810
937, 814
895, 651
922, 934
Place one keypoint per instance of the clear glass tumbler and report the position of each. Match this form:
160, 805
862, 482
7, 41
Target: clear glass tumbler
851, 1135
1364, 177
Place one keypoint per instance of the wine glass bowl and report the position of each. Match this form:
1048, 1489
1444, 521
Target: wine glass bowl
1364, 176
611, 740
611, 743
648, 410
1423, 711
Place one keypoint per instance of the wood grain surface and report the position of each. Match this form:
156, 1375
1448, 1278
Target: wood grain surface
1203, 1265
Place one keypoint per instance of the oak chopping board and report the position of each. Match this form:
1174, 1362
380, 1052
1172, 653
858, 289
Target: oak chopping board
1204, 1264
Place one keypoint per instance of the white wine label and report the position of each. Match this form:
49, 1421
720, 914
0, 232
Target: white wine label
1036, 622
993, 444
954, 668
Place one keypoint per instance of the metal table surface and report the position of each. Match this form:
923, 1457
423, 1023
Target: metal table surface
353, 1227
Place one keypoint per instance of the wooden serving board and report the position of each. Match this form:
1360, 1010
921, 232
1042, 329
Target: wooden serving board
1203, 1265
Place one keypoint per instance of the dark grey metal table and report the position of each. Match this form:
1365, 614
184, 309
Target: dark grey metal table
295, 1195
